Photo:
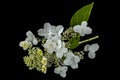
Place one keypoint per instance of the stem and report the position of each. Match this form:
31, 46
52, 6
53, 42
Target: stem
90, 39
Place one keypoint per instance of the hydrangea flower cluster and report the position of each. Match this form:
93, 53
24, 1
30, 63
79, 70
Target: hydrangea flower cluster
56, 46
56, 52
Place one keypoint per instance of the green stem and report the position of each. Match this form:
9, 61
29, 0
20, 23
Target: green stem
87, 40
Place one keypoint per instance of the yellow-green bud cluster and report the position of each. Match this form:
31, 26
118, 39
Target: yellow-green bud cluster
36, 60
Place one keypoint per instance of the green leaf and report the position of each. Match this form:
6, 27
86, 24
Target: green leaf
74, 42
81, 15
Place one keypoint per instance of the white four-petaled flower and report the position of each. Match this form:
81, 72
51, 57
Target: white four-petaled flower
71, 60
92, 49
82, 29
60, 51
50, 46
25, 45
61, 70
31, 38
50, 31
57, 46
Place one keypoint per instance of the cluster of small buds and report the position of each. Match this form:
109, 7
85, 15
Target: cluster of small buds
69, 33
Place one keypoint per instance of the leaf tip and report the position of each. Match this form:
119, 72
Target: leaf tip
92, 3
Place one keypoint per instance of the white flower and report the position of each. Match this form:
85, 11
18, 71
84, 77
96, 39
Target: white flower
31, 38
57, 41
60, 51
50, 31
92, 49
50, 45
55, 45
71, 60
25, 45
61, 70
82, 29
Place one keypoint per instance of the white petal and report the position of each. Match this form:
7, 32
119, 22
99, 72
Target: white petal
67, 61
59, 29
86, 48
59, 55
74, 66
64, 50
94, 47
76, 28
50, 50
42, 32
53, 29
91, 55
29, 34
77, 59
71, 54
84, 24
47, 26
63, 71
82, 34
65, 68
35, 42
56, 70
27, 39
82, 31
63, 74
88, 30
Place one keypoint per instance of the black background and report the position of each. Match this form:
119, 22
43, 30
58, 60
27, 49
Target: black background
24, 16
